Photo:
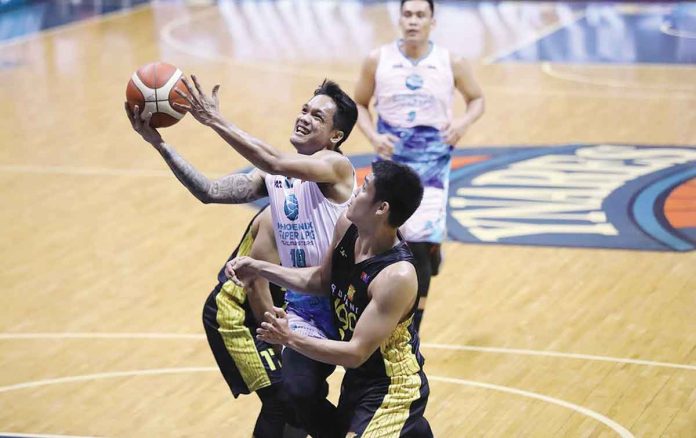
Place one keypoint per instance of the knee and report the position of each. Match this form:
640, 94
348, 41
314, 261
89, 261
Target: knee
301, 389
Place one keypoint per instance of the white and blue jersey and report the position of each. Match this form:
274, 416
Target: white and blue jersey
304, 222
414, 103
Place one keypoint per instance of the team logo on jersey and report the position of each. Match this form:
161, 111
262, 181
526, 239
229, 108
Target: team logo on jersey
414, 81
291, 207
364, 277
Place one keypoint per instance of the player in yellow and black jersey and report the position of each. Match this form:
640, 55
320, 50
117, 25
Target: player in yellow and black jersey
249, 364
372, 280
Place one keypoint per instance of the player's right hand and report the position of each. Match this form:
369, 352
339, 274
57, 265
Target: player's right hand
141, 125
384, 145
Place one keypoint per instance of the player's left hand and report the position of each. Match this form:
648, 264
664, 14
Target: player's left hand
275, 330
240, 270
203, 108
454, 131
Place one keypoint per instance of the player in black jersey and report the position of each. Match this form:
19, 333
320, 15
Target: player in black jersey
371, 278
230, 318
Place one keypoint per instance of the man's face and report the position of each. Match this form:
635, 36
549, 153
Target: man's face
363, 206
416, 21
314, 128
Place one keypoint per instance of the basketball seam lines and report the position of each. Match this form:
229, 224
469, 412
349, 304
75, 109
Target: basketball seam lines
156, 97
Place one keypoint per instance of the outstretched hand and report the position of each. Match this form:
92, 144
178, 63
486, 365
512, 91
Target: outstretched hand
275, 330
205, 109
141, 125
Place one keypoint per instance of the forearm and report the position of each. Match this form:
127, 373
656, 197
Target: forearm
366, 123
197, 183
307, 280
258, 153
345, 354
474, 110
231, 189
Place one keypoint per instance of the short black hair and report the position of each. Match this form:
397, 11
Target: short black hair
430, 2
400, 186
346, 111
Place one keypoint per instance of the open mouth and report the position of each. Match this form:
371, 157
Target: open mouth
301, 130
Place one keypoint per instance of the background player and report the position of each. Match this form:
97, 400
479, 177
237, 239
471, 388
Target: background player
372, 281
413, 82
308, 191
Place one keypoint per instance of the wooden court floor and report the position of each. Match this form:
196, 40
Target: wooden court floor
106, 259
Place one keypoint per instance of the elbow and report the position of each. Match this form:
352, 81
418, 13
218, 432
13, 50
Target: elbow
273, 166
481, 105
204, 198
273, 162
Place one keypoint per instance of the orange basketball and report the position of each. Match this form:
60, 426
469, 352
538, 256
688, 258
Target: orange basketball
152, 87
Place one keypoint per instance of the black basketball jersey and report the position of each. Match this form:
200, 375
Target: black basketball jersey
399, 355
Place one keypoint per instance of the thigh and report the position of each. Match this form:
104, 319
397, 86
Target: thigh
297, 366
387, 407
247, 363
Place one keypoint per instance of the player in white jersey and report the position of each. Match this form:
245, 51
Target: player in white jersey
308, 191
413, 82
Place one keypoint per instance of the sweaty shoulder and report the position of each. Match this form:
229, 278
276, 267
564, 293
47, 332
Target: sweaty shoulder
399, 276
373, 56
396, 285
458, 63
371, 62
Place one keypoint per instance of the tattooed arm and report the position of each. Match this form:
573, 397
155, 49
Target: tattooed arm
236, 188
231, 189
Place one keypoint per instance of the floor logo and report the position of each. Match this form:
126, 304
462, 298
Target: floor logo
607, 196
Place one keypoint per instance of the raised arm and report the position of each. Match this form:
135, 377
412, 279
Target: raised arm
393, 295
236, 188
383, 144
470, 90
329, 168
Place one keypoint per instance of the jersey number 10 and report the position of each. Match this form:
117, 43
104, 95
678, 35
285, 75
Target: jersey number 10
298, 258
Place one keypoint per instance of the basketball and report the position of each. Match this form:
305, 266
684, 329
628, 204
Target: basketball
152, 87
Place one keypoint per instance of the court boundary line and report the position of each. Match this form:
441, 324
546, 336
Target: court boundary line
37, 435
548, 70
616, 427
74, 25
435, 346
82, 170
